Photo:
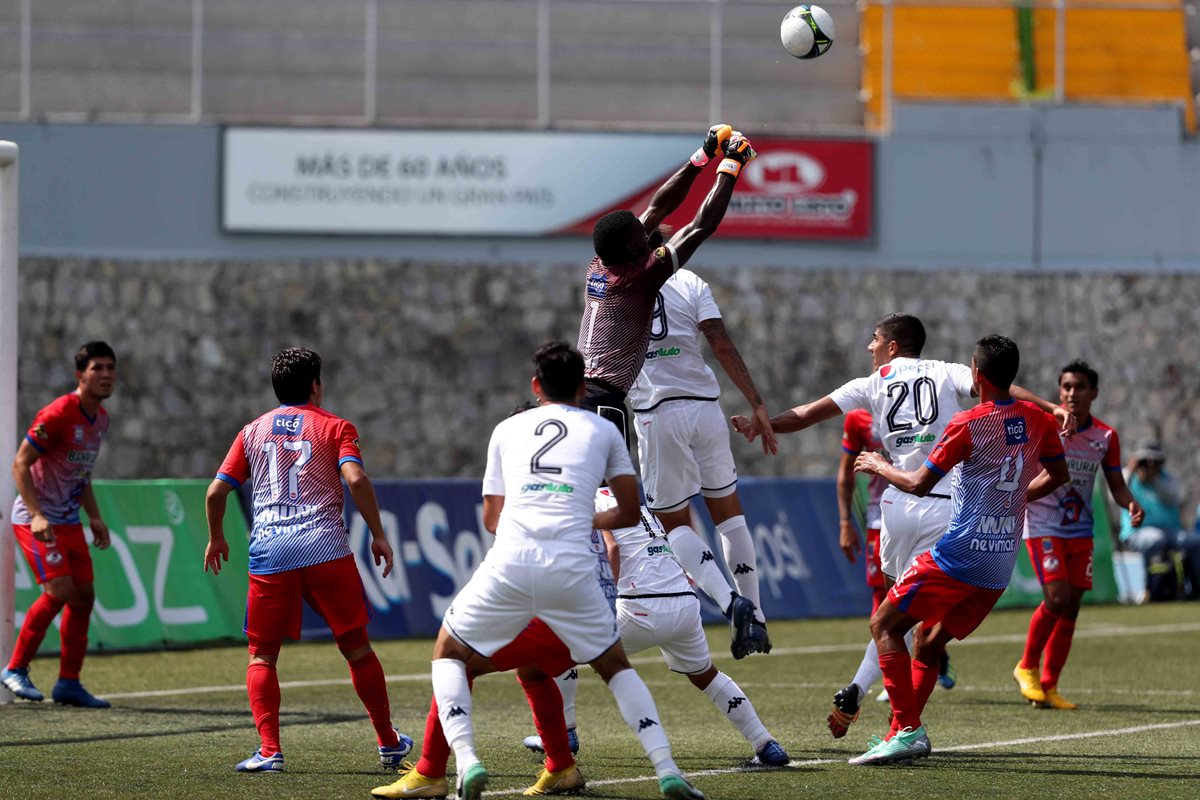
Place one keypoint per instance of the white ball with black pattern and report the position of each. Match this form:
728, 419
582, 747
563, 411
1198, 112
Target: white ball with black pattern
807, 31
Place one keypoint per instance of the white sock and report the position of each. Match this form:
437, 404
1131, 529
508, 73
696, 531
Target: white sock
869, 671
453, 696
731, 701
568, 686
641, 715
738, 546
700, 564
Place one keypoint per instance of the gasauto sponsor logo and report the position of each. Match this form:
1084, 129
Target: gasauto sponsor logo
663, 352
556, 488
920, 438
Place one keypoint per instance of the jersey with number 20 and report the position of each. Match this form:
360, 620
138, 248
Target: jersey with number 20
911, 400
294, 456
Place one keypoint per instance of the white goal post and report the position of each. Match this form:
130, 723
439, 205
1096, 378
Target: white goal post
8, 395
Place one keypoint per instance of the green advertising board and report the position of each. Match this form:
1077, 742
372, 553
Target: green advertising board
151, 588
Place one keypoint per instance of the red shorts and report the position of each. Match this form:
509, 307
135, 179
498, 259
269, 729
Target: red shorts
926, 592
333, 589
537, 644
1057, 559
874, 566
67, 556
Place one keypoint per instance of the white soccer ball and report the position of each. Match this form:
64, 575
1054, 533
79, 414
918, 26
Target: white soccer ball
807, 31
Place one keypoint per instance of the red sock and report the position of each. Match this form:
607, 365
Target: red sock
898, 680
74, 635
547, 705
924, 679
1057, 650
435, 750
262, 685
1040, 628
33, 630
371, 687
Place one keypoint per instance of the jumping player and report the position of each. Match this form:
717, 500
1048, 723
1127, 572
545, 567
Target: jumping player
911, 400
53, 475
543, 470
1000, 448
684, 445
296, 457
1058, 533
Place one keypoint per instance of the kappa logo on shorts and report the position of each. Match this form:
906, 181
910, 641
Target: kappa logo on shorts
287, 424
1050, 563
1014, 431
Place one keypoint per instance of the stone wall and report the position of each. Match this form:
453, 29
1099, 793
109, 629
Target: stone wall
426, 357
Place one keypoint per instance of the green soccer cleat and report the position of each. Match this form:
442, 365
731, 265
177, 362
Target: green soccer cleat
903, 748
676, 787
472, 783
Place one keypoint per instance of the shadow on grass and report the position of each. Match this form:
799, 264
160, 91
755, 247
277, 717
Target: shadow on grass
1056, 764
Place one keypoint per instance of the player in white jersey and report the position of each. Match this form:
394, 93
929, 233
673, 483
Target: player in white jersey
911, 400
684, 445
543, 470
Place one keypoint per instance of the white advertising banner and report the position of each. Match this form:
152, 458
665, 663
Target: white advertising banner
434, 182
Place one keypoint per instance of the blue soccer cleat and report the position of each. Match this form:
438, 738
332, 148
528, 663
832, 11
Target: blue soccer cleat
947, 674
70, 692
260, 763
744, 638
17, 681
772, 754
534, 742
390, 758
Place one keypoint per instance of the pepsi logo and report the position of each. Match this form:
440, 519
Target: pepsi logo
784, 172
885, 371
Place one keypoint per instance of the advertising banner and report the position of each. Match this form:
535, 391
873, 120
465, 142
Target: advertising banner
285, 180
151, 589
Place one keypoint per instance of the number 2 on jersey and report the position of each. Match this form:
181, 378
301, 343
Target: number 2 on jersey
304, 448
535, 464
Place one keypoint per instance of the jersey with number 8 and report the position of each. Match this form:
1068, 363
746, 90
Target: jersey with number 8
912, 400
293, 456
547, 464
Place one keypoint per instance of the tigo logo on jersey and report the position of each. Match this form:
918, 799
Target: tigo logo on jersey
287, 424
597, 286
1014, 431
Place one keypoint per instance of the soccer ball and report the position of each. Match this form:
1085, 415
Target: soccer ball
807, 31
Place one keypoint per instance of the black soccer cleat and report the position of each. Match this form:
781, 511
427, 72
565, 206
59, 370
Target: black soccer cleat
741, 627
846, 707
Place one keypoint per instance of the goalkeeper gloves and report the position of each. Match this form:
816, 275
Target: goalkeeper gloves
738, 153
714, 140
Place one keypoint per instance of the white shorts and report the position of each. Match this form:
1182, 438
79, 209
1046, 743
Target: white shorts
910, 526
671, 624
684, 450
514, 585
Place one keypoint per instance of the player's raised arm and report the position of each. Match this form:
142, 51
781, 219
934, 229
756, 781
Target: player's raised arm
1066, 420
731, 361
675, 189
792, 420
738, 153
919, 481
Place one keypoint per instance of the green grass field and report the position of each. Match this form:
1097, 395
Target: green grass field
180, 722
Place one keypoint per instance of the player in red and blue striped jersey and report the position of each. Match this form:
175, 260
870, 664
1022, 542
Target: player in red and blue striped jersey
296, 457
997, 452
53, 473
1058, 533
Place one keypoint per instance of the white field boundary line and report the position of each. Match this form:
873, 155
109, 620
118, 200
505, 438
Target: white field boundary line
955, 749
1087, 633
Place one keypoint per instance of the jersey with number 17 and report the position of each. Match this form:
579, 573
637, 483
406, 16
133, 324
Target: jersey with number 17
911, 400
293, 457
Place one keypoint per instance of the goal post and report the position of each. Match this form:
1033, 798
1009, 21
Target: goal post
8, 396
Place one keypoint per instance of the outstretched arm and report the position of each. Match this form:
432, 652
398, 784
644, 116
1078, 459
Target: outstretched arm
687, 239
792, 420
731, 361
919, 481
673, 192
1066, 420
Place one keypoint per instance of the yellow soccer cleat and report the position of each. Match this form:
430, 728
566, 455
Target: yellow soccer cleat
1056, 700
567, 781
412, 784
1030, 683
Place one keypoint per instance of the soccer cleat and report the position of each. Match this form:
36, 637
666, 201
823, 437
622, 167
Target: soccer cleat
846, 709
772, 754
472, 783
534, 742
17, 681
882, 697
676, 787
1029, 683
762, 640
260, 763
1056, 700
392, 757
947, 674
71, 693
741, 627
904, 747
567, 781
873, 744
413, 784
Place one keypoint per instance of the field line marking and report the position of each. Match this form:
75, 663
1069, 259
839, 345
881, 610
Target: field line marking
954, 749
1080, 633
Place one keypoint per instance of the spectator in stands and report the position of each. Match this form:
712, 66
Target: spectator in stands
1161, 535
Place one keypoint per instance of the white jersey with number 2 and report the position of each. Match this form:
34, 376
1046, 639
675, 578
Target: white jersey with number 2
912, 401
547, 463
